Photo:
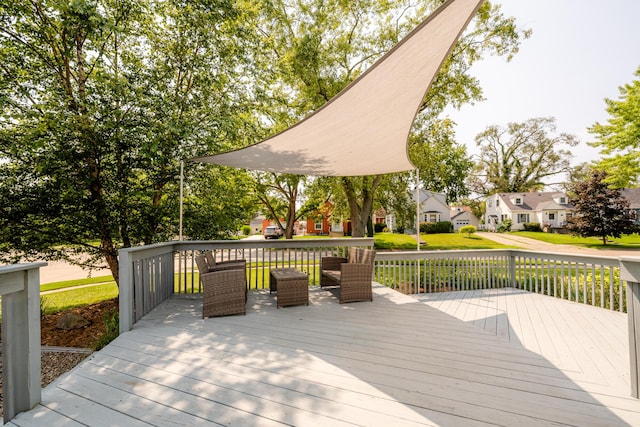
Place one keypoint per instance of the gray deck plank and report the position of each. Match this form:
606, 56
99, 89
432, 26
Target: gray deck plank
512, 358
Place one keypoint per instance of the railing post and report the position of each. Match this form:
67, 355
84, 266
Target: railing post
512, 270
630, 272
125, 291
20, 291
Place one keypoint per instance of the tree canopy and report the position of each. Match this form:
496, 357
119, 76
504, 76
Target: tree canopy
320, 47
521, 156
599, 210
100, 101
619, 138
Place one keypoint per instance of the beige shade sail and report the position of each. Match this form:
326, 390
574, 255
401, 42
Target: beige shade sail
365, 128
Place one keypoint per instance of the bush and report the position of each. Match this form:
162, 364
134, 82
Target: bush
532, 226
505, 226
436, 227
112, 329
246, 230
379, 228
468, 230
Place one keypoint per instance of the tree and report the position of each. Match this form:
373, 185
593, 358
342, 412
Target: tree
444, 165
520, 157
322, 46
599, 210
620, 137
217, 202
100, 101
280, 194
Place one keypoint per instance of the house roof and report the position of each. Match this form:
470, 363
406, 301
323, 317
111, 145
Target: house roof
535, 201
633, 196
364, 129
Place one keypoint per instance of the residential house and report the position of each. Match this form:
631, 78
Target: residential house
320, 222
633, 196
549, 209
461, 216
433, 207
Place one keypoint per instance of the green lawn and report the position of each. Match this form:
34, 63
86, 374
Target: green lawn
451, 241
442, 241
72, 283
393, 241
631, 241
76, 297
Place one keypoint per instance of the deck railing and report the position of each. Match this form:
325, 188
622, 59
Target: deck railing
150, 274
20, 291
587, 279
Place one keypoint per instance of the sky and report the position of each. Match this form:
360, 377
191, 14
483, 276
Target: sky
580, 52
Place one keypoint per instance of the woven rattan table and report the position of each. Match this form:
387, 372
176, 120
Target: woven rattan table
292, 286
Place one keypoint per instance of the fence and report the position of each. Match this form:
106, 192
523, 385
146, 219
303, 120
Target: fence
587, 279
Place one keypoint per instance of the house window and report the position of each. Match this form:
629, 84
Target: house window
432, 217
318, 225
504, 217
522, 218
497, 202
518, 201
552, 217
563, 200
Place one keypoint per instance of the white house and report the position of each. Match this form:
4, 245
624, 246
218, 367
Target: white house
433, 207
549, 209
461, 216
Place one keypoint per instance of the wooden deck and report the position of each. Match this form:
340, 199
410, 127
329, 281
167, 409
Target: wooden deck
496, 357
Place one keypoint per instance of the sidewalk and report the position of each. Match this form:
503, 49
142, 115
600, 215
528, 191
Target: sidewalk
57, 271
536, 245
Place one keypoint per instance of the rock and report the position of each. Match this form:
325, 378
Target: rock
72, 321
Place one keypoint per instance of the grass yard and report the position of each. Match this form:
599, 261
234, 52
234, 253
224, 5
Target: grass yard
391, 241
72, 283
78, 296
443, 241
631, 241
451, 241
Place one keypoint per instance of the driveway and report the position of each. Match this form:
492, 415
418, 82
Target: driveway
536, 245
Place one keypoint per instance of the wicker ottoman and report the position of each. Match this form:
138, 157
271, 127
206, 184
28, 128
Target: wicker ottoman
292, 286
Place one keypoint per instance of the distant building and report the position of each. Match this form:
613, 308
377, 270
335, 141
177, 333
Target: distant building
633, 196
461, 216
549, 209
433, 207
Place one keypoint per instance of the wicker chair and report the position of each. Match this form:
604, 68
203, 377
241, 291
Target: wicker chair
233, 264
354, 274
224, 291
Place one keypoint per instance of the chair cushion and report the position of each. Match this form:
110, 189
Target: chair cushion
332, 274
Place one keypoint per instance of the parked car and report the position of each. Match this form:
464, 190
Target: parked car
272, 232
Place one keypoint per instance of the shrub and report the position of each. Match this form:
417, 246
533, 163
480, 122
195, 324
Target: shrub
246, 230
436, 227
468, 230
379, 228
504, 226
532, 226
112, 323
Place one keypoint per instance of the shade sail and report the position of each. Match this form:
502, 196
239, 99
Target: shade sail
364, 129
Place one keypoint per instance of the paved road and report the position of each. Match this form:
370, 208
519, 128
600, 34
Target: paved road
536, 245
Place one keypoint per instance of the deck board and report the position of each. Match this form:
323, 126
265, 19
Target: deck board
473, 358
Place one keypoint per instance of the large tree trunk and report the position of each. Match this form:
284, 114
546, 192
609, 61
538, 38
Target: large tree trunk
360, 206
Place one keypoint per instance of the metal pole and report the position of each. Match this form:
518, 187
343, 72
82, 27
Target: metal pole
418, 208
181, 195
